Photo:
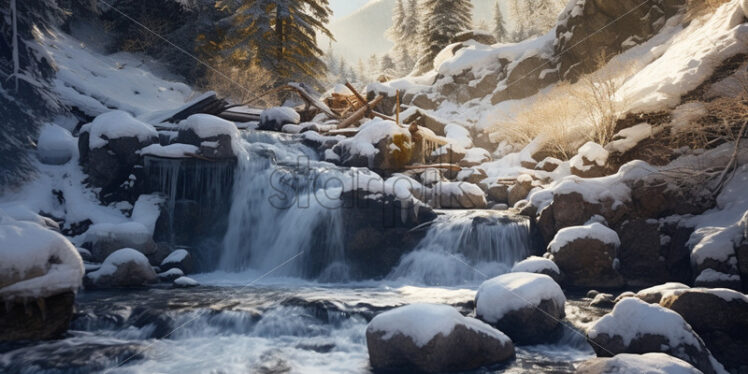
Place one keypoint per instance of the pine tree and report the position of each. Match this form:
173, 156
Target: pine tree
279, 36
443, 20
499, 25
361, 70
388, 65
374, 68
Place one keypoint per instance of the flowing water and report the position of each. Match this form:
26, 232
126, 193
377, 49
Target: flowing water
259, 310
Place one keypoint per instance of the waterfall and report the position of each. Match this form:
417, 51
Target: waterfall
465, 246
281, 211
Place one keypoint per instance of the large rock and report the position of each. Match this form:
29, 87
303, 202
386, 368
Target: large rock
213, 136
55, 145
40, 271
650, 363
180, 259
571, 209
596, 30
647, 259
587, 256
123, 268
105, 238
654, 294
458, 195
378, 145
720, 317
108, 150
274, 119
433, 338
527, 307
519, 190
538, 265
637, 327
526, 78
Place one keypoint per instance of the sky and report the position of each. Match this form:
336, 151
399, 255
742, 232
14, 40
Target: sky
344, 7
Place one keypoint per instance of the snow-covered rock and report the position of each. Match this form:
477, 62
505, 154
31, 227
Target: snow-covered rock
474, 157
654, 294
123, 268
379, 145
55, 145
115, 125
538, 265
215, 137
433, 338
587, 255
170, 275
274, 119
106, 238
185, 282
626, 363
719, 316
637, 327
40, 271
590, 161
528, 307
180, 259
458, 195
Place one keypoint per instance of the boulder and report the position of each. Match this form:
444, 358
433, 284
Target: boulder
479, 36
571, 209
458, 195
528, 307
423, 101
447, 154
108, 149
527, 77
498, 193
538, 265
170, 275
433, 338
378, 145
179, 259
654, 294
519, 190
603, 300
637, 327
213, 136
548, 164
40, 271
720, 317
590, 161
475, 157
715, 279
473, 175
274, 119
185, 282
123, 268
586, 256
103, 239
55, 145
650, 363
647, 259
431, 176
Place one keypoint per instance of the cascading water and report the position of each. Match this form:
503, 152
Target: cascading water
466, 246
281, 210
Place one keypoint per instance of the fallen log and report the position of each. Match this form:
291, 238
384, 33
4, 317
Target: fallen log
360, 114
450, 167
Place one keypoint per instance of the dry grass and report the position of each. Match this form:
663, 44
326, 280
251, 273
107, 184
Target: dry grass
568, 115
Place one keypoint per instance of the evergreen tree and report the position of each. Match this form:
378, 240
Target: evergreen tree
361, 71
388, 65
499, 29
279, 35
443, 20
374, 68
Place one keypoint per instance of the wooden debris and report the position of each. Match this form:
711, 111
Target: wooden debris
450, 167
360, 113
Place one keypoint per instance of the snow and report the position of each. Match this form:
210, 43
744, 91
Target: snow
422, 322
284, 115
661, 289
628, 138
477, 155
95, 83
711, 275
146, 211
169, 151
687, 59
208, 126
514, 291
685, 114
594, 231
458, 135
535, 264
117, 124
55, 144
175, 257
371, 133
648, 363
723, 293
118, 258
35, 261
185, 282
632, 318
592, 152
457, 189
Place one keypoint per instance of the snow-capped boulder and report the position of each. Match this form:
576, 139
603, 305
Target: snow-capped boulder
214, 136
103, 239
185, 282
447, 154
431, 176
479, 36
648, 257
379, 145
55, 145
650, 363
548, 164
40, 271
637, 327
474, 157
170, 275
109, 146
123, 268
433, 338
274, 119
716, 279
603, 300
519, 190
458, 195
525, 306
538, 265
498, 193
473, 175
719, 316
586, 256
654, 294
179, 259
590, 161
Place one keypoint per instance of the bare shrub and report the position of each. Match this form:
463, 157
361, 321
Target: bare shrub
697, 8
240, 84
